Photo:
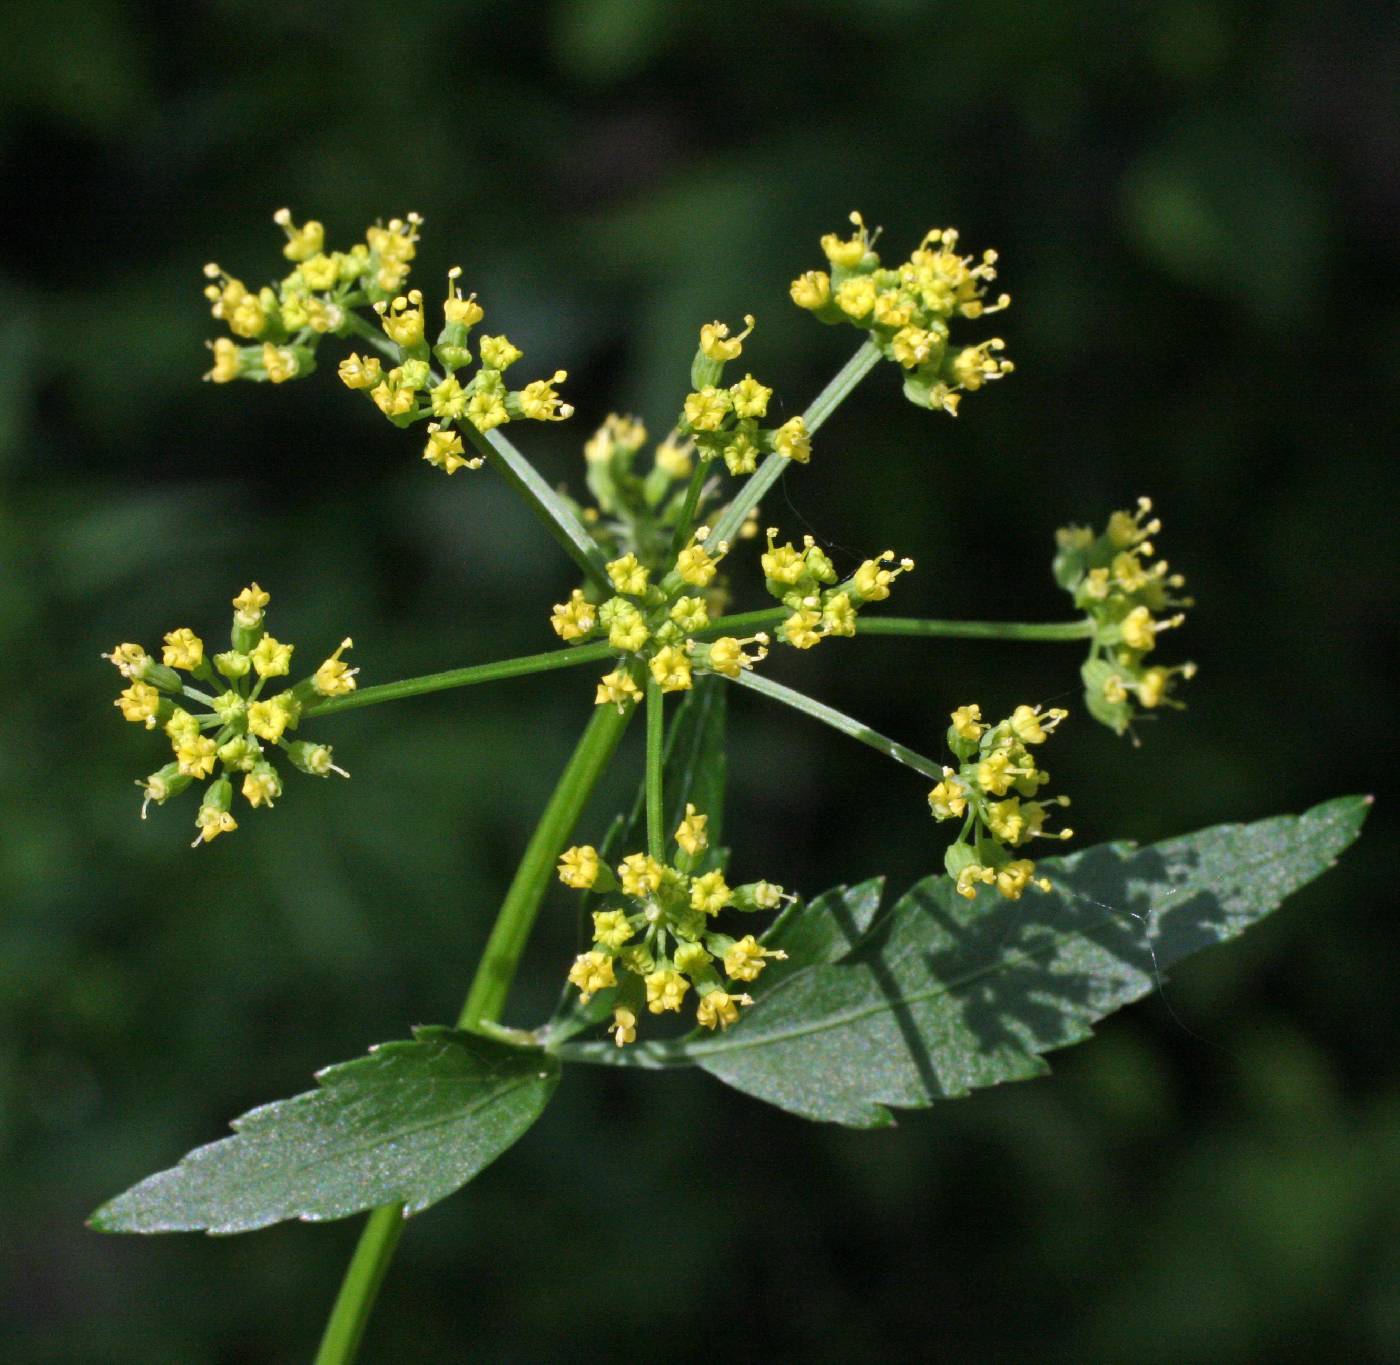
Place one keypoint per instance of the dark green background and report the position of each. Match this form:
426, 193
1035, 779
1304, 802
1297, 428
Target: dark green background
1193, 203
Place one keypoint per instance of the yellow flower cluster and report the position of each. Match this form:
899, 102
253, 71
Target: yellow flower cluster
653, 941
805, 581
991, 792
723, 421
906, 311
321, 295
231, 726
652, 626
1130, 601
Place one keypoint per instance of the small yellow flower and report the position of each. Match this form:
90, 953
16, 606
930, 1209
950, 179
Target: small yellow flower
271, 658
670, 666
486, 411
228, 361
871, 581
792, 441
802, 630
629, 575
707, 408
1140, 629
892, 310
912, 346
1032, 726
782, 563
717, 344
746, 959
690, 834
610, 928
572, 620
617, 687
357, 372
262, 786
131, 660
499, 353
697, 566
448, 399
665, 990
719, 1009
1126, 529
1014, 878
847, 253
811, 290
578, 866
303, 241
335, 678
139, 704
838, 615
280, 362
623, 1027
709, 893
640, 875
540, 403
975, 365
249, 605
196, 756
856, 296
727, 658
402, 319
591, 973
183, 649
969, 878
750, 398
444, 450
1005, 820
269, 719
182, 728
690, 614
212, 822
741, 454
947, 800
456, 310
627, 628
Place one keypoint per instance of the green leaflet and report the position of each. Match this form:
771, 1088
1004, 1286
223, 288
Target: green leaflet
947, 995
407, 1124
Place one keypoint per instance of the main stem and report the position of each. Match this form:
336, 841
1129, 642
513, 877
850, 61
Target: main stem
485, 999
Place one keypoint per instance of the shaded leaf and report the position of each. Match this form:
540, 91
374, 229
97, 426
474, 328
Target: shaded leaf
948, 995
407, 1124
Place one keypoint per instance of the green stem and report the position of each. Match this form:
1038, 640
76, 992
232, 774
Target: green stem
484, 1002
692, 501
771, 470
461, 677
744, 622
656, 757
847, 725
346, 1324
976, 630
496, 969
558, 517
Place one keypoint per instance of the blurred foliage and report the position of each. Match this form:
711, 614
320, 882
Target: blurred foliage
1193, 204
